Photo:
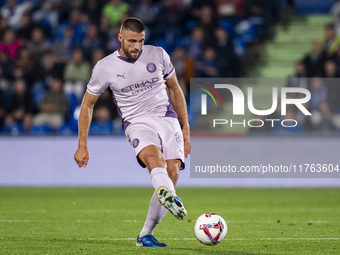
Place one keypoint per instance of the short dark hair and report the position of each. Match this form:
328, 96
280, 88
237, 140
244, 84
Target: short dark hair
133, 24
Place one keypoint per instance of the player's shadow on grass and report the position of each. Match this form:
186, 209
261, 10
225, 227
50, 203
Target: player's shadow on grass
212, 251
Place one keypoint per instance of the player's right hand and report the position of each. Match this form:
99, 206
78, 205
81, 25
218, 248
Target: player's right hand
82, 156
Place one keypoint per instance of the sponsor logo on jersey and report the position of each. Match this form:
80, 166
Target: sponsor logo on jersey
140, 86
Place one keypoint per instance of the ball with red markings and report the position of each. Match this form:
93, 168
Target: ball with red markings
210, 228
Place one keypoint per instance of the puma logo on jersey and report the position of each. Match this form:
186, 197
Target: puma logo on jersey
121, 75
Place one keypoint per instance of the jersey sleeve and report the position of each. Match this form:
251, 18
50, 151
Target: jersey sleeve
168, 68
97, 84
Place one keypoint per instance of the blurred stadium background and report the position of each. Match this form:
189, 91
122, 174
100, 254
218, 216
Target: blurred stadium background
48, 49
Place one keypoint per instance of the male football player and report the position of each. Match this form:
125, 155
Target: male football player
137, 76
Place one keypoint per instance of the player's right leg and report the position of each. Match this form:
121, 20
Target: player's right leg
163, 184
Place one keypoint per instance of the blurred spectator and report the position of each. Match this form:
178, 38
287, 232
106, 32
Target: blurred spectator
104, 29
331, 41
23, 65
54, 106
102, 123
78, 23
47, 16
44, 71
184, 66
38, 44
147, 10
335, 10
93, 9
208, 22
63, 47
20, 107
299, 78
24, 33
77, 73
208, 66
330, 69
315, 60
322, 118
10, 44
105, 100
226, 51
13, 11
196, 43
97, 55
6, 67
91, 41
318, 93
114, 10
3, 26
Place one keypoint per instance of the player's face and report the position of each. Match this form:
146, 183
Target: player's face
132, 43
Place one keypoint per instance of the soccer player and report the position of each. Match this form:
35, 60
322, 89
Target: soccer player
137, 76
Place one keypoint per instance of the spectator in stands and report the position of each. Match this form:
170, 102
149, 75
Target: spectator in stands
47, 16
332, 85
103, 31
76, 74
323, 119
78, 23
331, 41
314, 61
91, 41
97, 55
54, 106
330, 69
3, 26
44, 71
226, 51
10, 44
208, 22
208, 66
319, 93
24, 33
20, 107
38, 44
13, 11
147, 11
184, 66
115, 10
299, 78
24, 64
102, 123
105, 100
6, 67
335, 10
63, 47
196, 43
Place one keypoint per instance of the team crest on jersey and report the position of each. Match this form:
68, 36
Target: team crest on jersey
135, 143
179, 138
151, 67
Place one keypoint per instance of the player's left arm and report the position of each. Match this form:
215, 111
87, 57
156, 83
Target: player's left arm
178, 101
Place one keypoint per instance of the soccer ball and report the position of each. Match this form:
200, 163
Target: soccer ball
210, 228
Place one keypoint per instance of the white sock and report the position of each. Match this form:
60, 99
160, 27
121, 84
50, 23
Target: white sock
159, 177
155, 215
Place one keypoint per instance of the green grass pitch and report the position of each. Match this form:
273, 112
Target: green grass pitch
107, 221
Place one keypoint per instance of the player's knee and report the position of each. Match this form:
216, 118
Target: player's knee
153, 161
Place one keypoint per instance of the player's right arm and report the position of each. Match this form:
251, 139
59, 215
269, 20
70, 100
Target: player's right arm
82, 155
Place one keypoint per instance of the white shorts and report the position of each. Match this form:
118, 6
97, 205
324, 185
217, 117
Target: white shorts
164, 132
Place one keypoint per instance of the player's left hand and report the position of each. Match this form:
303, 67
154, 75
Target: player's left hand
186, 139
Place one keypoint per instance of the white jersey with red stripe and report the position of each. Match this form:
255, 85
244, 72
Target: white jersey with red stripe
138, 87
